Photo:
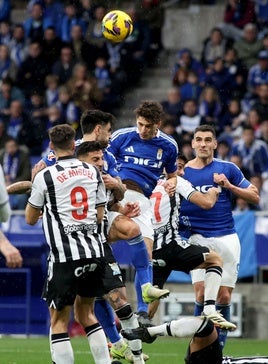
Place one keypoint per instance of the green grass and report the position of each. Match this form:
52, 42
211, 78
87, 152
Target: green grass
35, 350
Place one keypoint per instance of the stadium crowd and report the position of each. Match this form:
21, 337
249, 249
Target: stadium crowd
56, 64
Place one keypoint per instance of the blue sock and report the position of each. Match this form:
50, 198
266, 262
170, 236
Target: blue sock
139, 258
225, 310
141, 306
105, 316
198, 308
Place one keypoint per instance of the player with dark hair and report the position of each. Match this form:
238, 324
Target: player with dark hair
172, 252
214, 228
142, 153
204, 347
72, 196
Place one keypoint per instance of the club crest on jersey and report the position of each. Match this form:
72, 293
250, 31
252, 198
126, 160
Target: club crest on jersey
51, 156
159, 154
105, 166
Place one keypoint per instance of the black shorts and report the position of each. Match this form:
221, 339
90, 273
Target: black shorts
211, 354
174, 257
112, 275
64, 281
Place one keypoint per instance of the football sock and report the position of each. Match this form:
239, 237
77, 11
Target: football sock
129, 321
98, 344
140, 261
105, 316
198, 308
225, 310
212, 283
179, 328
61, 349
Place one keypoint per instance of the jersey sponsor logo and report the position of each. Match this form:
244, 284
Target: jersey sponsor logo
129, 149
85, 268
162, 229
143, 161
203, 188
91, 228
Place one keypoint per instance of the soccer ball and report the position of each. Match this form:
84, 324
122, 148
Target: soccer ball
116, 26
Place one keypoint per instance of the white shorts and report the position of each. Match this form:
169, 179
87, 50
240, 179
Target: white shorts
228, 247
144, 220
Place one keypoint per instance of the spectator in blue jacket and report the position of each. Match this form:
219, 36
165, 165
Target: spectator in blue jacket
5, 10
36, 24
69, 19
258, 73
254, 152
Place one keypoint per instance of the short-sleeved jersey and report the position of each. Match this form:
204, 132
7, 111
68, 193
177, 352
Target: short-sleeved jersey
143, 161
165, 210
70, 191
110, 165
217, 221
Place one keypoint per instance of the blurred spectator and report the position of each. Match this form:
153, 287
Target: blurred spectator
16, 165
52, 89
261, 8
264, 131
254, 120
187, 150
37, 113
223, 150
36, 24
185, 60
172, 106
233, 119
238, 72
180, 77
236, 15
3, 134
33, 71
5, 32
5, 10
190, 118
151, 11
168, 127
254, 152
84, 89
210, 107
191, 88
248, 46
86, 10
81, 49
261, 102
63, 67
69, 19
238, 161
17, 123
240, 205
262, 186
18, 45
9, 93
214, 46
8, 67
222, 81
258, 73
69, 111
53, 13
135, 48
51, 46
53, 119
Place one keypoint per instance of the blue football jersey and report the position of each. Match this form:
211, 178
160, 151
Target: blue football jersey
110, 165
218, 220
143, 161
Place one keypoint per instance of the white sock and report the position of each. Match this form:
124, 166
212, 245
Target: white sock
61, 349
184, 327
98, 344
212, 284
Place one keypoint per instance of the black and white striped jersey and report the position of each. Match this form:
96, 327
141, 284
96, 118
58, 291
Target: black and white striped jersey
245, 360
165, 211
70, 191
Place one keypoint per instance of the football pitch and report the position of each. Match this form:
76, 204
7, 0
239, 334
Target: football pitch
35, 350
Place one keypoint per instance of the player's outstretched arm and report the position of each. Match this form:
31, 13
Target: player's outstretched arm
205, 200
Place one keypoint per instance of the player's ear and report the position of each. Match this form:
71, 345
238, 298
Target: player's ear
97, 129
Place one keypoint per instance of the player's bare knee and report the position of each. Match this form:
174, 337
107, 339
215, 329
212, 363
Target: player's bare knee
213, 259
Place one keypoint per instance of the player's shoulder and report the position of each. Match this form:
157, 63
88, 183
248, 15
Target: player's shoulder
225, 164
124, 132
168, 139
